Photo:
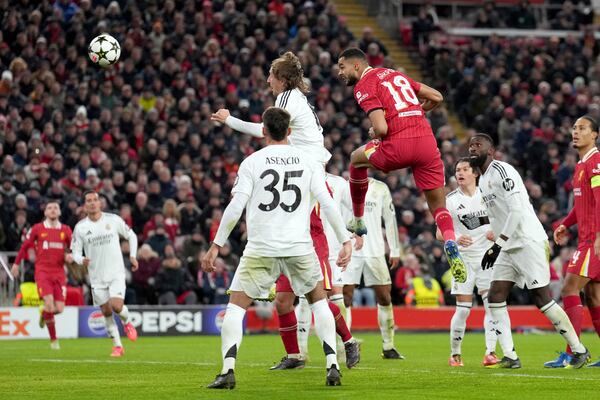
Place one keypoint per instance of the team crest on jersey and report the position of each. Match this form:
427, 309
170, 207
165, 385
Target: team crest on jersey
43, 234
508, 184
62, 236
580, 178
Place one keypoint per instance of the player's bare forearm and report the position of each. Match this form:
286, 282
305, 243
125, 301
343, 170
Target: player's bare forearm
430, 97
379, 124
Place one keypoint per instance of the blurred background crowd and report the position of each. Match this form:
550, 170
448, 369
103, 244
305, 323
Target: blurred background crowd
140, 132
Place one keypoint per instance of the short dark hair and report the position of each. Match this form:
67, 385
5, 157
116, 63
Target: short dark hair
468, 161
89, 191
593, 122
485, 137
57, 202
354, 52
276, 122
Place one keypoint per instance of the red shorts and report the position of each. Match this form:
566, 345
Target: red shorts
320, 244
585, 263
419, 153
51, 284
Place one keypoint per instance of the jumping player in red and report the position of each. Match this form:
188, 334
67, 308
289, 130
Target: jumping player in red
583, 271
50, 239
402, 138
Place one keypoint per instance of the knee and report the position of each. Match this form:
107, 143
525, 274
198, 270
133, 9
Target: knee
283, 305
49, 307
384, 299
354, 157
495, 296
540, 299
59, 309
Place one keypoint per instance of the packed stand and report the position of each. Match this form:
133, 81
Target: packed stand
526, 93
140, 132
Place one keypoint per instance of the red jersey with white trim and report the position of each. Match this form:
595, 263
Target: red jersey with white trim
50, 244
586, 191
396, 94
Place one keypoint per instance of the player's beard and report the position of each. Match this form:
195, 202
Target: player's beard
478, 160
351, 80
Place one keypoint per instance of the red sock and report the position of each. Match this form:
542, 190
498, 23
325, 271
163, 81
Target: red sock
340, 323
359, 184
49, 321
288, 329
443, 219
595, 313
574, 310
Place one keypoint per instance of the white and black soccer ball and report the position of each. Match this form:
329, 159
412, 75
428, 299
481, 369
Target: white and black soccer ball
104, 50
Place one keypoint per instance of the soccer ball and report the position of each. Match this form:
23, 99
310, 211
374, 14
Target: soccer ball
104, 50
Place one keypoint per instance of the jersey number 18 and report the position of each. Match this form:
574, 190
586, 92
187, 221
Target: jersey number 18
406, 92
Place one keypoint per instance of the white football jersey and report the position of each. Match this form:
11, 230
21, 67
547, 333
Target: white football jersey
378, 204
470, 218
307, 133
499, 183
340, 189
100, 242
279, 179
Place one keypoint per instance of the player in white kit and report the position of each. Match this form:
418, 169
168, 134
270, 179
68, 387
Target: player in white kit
286, 80
340, 191
369, 262
472, 227
519, 254
275, 186
98, 236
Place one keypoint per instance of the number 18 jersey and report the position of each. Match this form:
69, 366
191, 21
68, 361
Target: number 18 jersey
279, 180
395, 94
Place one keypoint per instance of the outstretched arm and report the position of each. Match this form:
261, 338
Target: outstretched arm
224, 116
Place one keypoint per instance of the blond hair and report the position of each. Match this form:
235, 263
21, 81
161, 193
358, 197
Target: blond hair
288, 69
175, 211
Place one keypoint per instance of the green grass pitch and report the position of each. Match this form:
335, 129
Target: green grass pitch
180, 368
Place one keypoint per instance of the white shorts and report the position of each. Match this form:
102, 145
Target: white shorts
336, 272
255, 276
527, 266
102, 292
476, 277
374, 270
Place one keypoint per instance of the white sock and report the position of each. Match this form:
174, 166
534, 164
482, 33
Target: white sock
490, 336
501, 326
304, 318
325, 327
124, 315
349, 317
458, 326
113, 331
231, 335
385, 317
563, 325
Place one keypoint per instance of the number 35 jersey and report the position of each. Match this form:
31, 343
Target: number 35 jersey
396, 94
279, 180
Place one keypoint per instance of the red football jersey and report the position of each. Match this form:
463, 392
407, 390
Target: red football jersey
586, 191
395, 94
49, 244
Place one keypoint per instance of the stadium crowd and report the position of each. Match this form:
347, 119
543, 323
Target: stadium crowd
140, 132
